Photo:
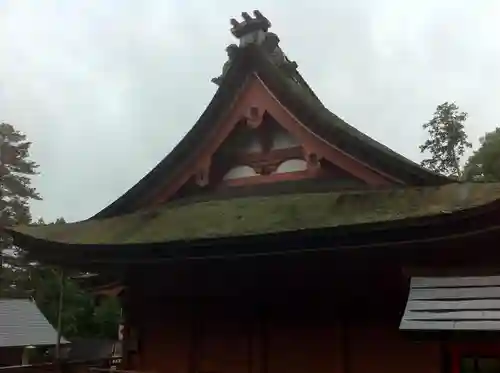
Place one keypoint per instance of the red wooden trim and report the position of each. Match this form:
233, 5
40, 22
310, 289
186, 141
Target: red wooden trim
273, 178
455, 362
336, 156
476, 348
266, 163
265, 138
459, 350
276, 155
256, 94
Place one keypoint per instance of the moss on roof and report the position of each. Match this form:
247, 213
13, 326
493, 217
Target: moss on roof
260, 215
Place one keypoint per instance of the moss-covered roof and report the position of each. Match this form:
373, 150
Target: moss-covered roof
261, 215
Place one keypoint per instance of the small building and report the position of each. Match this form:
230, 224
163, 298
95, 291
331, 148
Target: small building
277, 238
24, 333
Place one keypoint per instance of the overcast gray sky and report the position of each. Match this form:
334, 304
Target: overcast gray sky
104, 89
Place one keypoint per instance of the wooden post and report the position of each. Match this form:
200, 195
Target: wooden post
59, 315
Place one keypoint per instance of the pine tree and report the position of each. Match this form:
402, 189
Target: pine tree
16, 170
447, 140
19, 278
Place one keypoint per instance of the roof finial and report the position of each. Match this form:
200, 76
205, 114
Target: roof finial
251, 30
255, 31
246, 17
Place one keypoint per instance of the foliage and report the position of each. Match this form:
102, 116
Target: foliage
484, 163
16, 170
107, 317
81, 316
447, 140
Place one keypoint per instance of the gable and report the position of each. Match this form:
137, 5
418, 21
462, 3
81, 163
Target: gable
253, 87
250, 152
260, 141
268, 153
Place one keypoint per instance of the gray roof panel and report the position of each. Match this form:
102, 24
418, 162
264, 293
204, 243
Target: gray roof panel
23, 324
453, 303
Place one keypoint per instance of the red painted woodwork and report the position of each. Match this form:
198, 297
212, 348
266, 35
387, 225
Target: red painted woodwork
350, 325
276, 155
254, 116
293, 334
253, 101
273, 178
265, 138
266, 162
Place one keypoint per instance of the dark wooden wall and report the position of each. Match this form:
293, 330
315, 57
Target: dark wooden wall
225, 336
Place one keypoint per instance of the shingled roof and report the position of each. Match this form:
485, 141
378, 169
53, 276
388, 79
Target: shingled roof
23, 324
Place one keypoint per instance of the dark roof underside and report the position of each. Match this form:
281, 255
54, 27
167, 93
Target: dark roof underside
303, 104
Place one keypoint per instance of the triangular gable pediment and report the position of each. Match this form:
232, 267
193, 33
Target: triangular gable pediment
252, 90
254, 109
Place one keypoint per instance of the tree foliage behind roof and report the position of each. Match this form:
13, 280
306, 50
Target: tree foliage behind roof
81, 316
484, 163
447, 140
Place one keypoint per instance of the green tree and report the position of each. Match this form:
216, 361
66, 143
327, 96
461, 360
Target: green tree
447, 140
16, 170
23, 275
81, 315
484, 163
107, 317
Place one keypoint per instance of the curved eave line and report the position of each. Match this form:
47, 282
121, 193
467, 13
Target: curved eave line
464, 223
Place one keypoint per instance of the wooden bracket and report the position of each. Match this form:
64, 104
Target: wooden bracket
202, 176
312, 158
254, 116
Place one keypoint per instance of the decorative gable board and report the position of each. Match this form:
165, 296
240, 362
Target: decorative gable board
260, 142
